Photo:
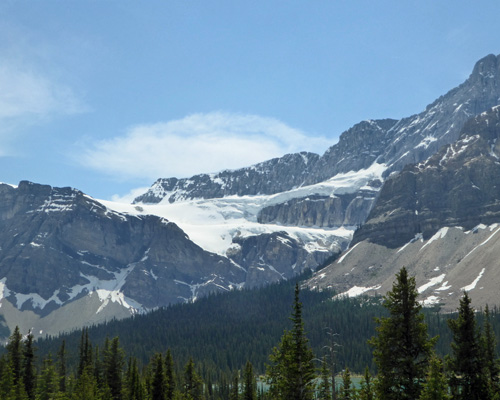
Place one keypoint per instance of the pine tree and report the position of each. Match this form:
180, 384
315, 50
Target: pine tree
436, 386
193, 385
234, 393
48, 383
61, 370
159, 383
466, 363
169, 375
489, 344
135, 389
366, 389
402, 348
113, 368
346, 391
29, 370
15, 354
291, 374
86, 386
324, 391
249, 383
85, 352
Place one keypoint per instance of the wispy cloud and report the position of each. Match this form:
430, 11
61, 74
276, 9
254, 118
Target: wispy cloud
195, 144
32, 89
26, 93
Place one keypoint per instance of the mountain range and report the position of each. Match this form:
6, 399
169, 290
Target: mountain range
420, 191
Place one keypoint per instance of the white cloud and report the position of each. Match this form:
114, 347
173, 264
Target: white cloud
27, 94
199, 143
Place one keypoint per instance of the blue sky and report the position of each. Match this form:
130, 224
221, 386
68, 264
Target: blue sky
107, 96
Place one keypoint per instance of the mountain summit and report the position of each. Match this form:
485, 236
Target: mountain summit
67, 259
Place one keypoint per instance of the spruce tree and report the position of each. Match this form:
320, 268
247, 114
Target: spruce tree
466, 363
15, 354
113, 368
366, 388
402, 348
159, 384
29, 370
324, 391
436, 386
48, 383
61, 370
193, 385
489, 345
291, 374
249, 383
346, 391
169, 375
234, 393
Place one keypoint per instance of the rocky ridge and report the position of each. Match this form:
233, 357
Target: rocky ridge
440, 219
389, 143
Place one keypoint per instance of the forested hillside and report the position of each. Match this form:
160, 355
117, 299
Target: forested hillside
203, 349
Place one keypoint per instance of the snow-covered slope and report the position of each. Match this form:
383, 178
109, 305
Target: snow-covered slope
213, 223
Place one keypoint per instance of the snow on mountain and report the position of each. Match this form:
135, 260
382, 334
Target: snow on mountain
213, 223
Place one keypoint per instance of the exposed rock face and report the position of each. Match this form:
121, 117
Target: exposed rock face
58, 245
273, 176
389, 142
455, 187
440, 219
269, 258
321, 211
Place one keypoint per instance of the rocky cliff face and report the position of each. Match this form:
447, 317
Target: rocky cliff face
62, 251
439, 218
58, 245
270, 258
67, 257
455, 187
390, 143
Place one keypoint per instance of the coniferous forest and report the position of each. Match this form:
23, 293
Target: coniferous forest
275, 342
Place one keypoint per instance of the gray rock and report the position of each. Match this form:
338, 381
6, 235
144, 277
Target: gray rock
455, 187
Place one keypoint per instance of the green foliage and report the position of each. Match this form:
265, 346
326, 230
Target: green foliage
324, 388
245, 327
249, 383
466, 363
402, 347
435, 386
193, 385
366, 390
48, 382
291, 373
347, 392
491, 363
113, 368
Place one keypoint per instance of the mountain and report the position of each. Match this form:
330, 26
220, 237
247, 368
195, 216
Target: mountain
333, 193
62, 248
67, 259
440, 219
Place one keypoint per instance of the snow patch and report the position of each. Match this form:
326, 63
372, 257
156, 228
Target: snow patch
345, 255
429, 301
482, 244
470, 287
356, 291
418, 236
440, 234
432, 282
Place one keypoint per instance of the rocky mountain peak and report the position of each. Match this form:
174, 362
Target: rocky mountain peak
455, 187
486, 70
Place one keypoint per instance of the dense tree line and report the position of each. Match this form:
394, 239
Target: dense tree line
406, 357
